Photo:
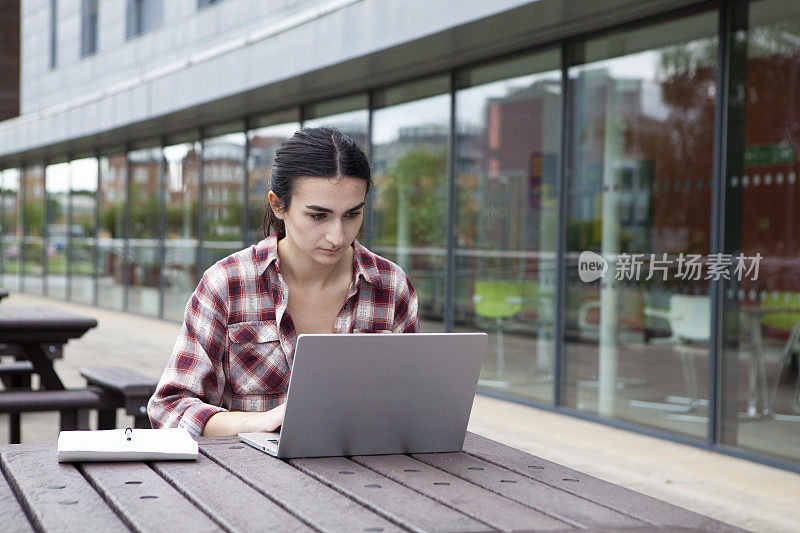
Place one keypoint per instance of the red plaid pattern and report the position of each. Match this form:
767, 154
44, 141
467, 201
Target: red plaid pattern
236, 347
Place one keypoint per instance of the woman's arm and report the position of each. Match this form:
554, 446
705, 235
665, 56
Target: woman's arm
233, 422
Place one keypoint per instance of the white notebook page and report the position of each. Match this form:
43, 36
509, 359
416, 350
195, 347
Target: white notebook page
113, 445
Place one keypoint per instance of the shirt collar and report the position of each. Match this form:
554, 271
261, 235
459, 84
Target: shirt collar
364, 264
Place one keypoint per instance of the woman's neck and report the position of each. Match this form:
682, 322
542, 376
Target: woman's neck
297, 268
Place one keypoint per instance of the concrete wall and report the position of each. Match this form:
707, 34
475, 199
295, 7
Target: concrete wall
234, 47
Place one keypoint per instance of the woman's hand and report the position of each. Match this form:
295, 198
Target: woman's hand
233, 422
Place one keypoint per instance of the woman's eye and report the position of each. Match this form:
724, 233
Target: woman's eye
317, 216
353, 215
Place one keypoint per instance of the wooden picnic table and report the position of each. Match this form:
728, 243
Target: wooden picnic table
38, 335
234, 487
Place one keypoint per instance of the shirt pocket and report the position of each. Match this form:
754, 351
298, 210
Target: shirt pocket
256, 362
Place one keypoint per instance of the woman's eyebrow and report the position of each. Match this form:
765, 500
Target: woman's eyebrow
326, 210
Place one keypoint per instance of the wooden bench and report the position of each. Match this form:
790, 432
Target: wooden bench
73, 406
126, 388
15, 375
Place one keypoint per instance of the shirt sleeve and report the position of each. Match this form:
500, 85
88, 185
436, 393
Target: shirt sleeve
406, 319
191, 389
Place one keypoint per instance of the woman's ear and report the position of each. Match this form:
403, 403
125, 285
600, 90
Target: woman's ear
276, 205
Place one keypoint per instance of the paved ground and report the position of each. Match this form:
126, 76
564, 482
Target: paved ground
739, 492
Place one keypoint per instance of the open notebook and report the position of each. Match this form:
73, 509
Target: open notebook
114, 445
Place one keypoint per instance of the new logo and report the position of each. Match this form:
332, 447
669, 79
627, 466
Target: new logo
591, 266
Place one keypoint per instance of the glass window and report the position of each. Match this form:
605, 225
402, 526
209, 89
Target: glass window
57, 229
223, 195
507, 147
83, 198
33, 228
53, 33
182, 161
88, 27
639, 202
143, 16
761, 387
348, 114
111, 197
144, 247
10, 228
411, 128
264, 140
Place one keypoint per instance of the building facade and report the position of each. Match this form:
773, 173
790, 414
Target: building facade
607, 188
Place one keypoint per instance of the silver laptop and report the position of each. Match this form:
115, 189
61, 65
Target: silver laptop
366, 394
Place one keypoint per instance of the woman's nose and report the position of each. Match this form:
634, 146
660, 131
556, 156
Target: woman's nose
336, 234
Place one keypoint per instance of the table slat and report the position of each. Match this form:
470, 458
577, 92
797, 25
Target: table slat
300, 494
56, 494
225, 497
387, 497
145, 500
479, 503
529, 492
635, 504
14, 518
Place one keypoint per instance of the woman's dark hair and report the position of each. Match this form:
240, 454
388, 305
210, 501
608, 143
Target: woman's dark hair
312, 153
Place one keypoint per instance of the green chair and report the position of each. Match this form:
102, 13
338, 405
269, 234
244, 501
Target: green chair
498, 300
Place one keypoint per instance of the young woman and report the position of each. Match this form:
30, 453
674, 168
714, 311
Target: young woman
229, 370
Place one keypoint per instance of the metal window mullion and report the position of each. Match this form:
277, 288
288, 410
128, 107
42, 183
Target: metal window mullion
562, 212
96, 239
201, 182
369, 223
126, 223
724, 237
23, 229
246, 186
3, 229
450, 270
45, 233
162, 226
68, 251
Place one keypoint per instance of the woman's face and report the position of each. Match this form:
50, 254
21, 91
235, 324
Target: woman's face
324, 216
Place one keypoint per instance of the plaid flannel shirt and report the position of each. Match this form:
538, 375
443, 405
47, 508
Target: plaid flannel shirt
236, 346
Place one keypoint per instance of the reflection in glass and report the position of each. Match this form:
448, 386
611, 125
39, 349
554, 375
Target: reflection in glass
180, 241
637, 341
506, 168
348, 114
761, 386
409, 162
264, 142
223, 188
33, 229
83, 196
10, 228
110, 233
57, 230
144, 252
